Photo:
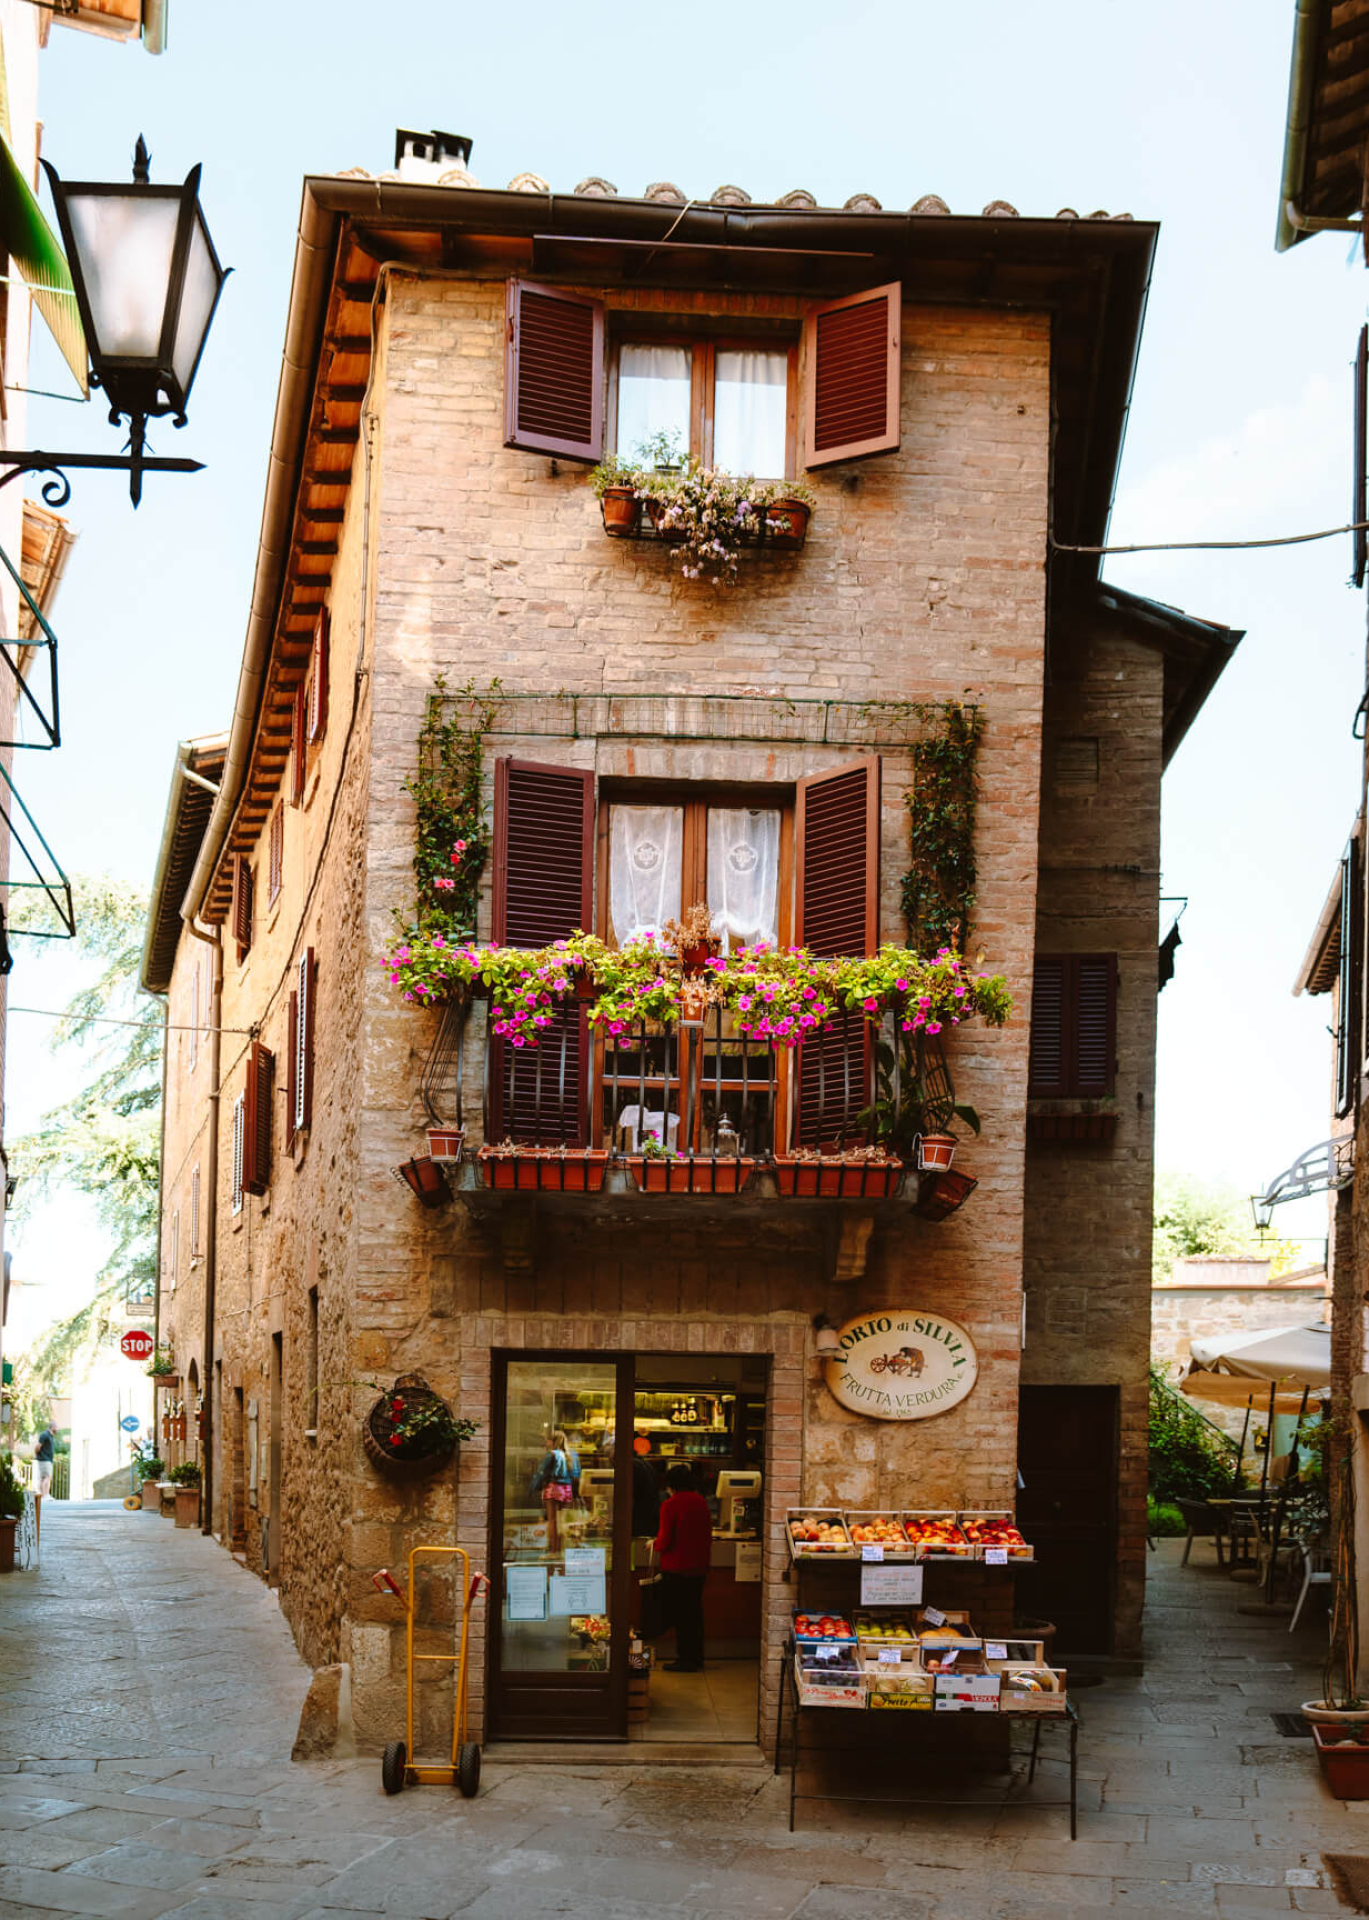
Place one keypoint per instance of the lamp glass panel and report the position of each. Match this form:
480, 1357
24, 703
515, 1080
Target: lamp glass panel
197, 304
124, 246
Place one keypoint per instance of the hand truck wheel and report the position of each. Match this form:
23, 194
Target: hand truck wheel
468, 1770
392, 1765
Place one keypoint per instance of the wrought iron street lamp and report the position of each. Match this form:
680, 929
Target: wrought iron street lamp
147, 281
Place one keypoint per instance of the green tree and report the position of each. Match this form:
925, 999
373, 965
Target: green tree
1194, 1218
104, 1141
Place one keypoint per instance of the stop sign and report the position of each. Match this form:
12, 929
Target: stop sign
136, 1344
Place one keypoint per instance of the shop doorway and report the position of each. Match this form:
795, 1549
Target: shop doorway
583, 1449
1067, 1507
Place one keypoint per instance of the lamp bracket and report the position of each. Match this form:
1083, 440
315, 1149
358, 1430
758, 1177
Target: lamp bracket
1325, 1168
57, 491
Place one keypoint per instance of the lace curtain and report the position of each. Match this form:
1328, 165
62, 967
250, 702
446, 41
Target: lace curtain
750, 409
644, 876
653, 394
743, 874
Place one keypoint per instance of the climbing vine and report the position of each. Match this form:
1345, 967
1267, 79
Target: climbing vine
452, 838
938, 893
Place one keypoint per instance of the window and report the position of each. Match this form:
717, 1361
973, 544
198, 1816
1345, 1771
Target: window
239, 1110
277, 859
311, 1411
257, 1095
729, 403
300, 1090
732, 854
318, 680
298, 743
1347, 987
1073, 1026
240, 915
195, 1214
208, 1010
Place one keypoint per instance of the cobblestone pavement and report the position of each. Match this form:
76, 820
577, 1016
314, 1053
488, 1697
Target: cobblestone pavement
149, 1692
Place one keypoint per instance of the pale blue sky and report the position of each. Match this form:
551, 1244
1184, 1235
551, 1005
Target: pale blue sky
1239, 428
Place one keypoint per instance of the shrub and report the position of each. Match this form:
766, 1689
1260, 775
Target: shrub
187, 1474
1163, 1522
11, 1493
1188, 1460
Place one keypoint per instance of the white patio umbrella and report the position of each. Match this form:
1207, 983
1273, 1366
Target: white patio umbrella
1293, 1356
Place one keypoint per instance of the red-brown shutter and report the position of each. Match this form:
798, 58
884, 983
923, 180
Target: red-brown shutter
318, 679
298, 728
241, 912
291, 1069
853, 366
256, 1157
837, 911
276, 862
307, 991
239, 1130
543, 891
554, 371
1073, 1026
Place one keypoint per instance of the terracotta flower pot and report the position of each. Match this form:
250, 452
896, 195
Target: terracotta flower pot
187, 1506
786, 523
935, 1152
445, 1143
8, 1533
152, 1498
622, 510
1344, 1760
692, 958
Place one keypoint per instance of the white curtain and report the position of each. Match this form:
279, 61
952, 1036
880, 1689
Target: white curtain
744, 874
645, 869
653, 395
750, 407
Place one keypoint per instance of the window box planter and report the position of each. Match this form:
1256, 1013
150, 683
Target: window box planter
534, 1171
171, 1380
622, 511
445, 1143
187, 1506
673, 536
690, 1174
836, 1178
1344, 1758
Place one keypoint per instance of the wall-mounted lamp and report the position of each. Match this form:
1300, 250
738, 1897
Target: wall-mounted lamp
423, 1178
828, 1345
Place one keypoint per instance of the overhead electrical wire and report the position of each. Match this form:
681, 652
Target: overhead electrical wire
107, 1020
1215, 546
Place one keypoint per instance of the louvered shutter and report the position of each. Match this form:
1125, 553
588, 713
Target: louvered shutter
1347, 1000
1095, 1024
277, 860
318, 679
304, 1041
554, 372
256, 1156
291, 1069
1048, 1062
837, 901
543, 891
298, 746
195, 1214
852, 354
1359, 493
239, 1108
1074, 1026
241, 911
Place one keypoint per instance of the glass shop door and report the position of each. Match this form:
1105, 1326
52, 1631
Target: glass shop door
562, 1511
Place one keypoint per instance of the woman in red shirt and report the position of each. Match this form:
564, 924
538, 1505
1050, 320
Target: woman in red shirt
685, 1544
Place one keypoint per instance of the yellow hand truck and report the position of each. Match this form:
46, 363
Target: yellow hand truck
397, 1770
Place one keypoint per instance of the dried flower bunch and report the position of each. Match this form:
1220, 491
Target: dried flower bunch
706, 513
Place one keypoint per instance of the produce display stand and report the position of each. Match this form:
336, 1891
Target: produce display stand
789, 1686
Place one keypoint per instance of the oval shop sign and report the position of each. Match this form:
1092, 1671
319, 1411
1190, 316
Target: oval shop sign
902, 1364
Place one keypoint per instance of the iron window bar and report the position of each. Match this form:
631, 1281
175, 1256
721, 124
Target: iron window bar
58, 889
51, 727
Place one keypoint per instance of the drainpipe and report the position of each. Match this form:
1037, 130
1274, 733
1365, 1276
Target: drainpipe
213, 939
1301, 80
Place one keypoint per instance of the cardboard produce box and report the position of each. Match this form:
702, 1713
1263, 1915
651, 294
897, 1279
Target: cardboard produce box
965, 1692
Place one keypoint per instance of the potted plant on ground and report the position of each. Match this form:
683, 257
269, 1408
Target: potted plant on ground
411, 1432
149, 1467
11, 1507
186, 1480
1340, 1711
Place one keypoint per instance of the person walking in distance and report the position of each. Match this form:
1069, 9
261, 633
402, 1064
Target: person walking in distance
43, 1455
685, 1544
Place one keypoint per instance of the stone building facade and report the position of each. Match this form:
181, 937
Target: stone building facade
406, 542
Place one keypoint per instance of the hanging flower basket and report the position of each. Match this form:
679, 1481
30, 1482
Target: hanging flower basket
411, 1432
445, 1143
689, 1173
837, 1176
935, 1152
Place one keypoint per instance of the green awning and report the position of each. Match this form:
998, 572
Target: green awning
33, 248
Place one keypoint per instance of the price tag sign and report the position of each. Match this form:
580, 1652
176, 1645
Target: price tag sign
890, 1586
890, 1657
934, 1617
872, 1550
949, 1659
995, 1556
995, 1650
828, 1653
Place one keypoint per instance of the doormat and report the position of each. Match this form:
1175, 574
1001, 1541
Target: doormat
1350, 1878
1293, 1726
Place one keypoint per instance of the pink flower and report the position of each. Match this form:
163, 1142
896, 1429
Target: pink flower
924, 1000
810, 993
870, 1006
744, 1002
438, 941
902, 985
444, 886
933, 1026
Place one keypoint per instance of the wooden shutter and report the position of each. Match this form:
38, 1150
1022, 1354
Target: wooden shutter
852, 353
1359, 494
554, 372
241, 912
318, 679
1347, 999
195, 1214
304, 1041
277, 859
837, 912
238, 1133
543, 891
1073, 1026
298, 747
256, 1157
291, 1069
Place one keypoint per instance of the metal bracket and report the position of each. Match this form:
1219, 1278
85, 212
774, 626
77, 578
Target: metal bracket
1325, 1168
53, 727
59, 885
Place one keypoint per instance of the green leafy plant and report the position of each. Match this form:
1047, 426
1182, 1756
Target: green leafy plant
707, 514
416, 1424
1189, 1458
1163, 1522
11, 1493
451, 840
187, 1474
161, 1363
938, 892
913, 1094
147, 1462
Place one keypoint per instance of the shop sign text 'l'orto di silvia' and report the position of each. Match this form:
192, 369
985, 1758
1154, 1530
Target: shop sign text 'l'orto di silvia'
902, 1364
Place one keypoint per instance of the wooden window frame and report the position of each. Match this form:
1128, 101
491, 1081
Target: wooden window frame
1349, 1007
705, 346
240, 912
317, 717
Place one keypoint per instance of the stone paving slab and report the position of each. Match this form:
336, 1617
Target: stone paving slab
150, 1689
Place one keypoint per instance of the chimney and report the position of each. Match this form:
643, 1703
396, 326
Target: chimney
427, 156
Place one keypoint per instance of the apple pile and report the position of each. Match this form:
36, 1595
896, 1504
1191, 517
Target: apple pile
937, 1533
821, 1626
884, 1530
994, 1533
811, 1535
893, 1631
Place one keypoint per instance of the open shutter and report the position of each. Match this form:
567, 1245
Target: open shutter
298, 748
291, 1069
554, 372
852, 353
318, 679
1359, 493
277, 857
543, 891
239, 1130
1047, 1072
1347, 999
1074, 1026
241, 911
837, 902
304, 1042
256, 1156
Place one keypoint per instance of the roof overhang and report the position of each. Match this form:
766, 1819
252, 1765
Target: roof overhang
47, 543
194, 786
1195, 651
1090, 275
1321, 962
1324, 181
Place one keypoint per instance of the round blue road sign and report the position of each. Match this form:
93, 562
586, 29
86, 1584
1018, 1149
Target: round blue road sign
130, 1423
